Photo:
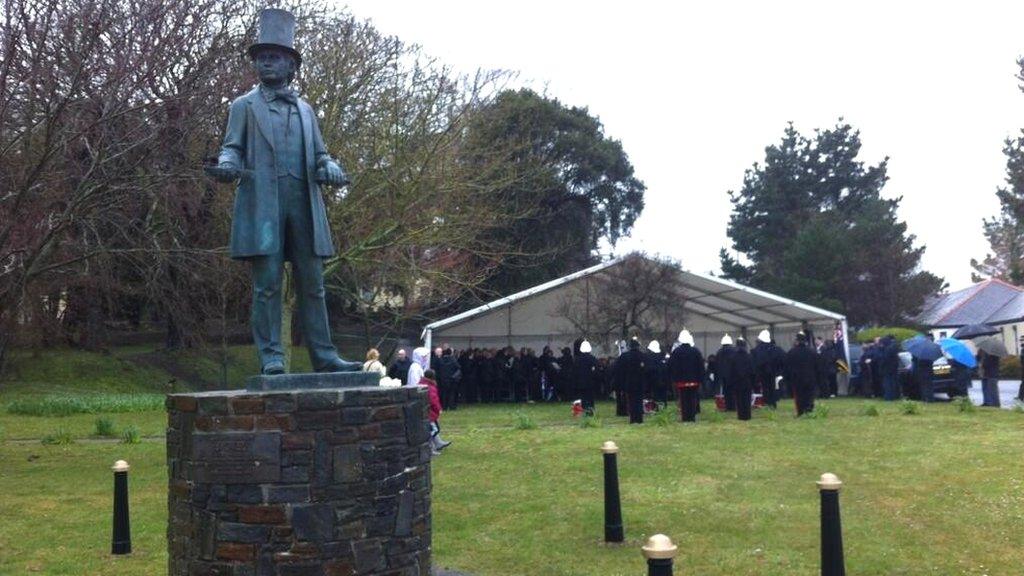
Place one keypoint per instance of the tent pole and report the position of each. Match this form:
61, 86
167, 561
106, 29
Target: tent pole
427, 342
846, 342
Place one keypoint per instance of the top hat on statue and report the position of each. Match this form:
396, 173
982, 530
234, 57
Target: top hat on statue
276, 30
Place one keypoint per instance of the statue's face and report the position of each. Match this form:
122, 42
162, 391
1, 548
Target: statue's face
275, 67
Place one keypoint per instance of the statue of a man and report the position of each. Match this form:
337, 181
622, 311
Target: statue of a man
274, 148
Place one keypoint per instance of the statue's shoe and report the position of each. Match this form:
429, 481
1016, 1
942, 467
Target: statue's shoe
273, 367
339, 365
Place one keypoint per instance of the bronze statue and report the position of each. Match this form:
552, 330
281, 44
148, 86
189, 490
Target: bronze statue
274, 149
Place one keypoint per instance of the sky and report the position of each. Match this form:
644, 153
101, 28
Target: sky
696, 91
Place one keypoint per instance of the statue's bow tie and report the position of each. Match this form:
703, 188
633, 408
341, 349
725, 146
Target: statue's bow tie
286, 96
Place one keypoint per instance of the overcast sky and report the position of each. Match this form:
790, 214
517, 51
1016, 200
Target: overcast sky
696, 92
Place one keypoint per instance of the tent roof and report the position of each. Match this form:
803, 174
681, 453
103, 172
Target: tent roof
703, 295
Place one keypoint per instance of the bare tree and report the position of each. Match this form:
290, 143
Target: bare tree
639, 296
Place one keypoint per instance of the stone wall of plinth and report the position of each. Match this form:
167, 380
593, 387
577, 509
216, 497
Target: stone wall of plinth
287, 482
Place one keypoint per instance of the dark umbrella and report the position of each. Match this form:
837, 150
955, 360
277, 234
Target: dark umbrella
923, 348
993, 346
973, 331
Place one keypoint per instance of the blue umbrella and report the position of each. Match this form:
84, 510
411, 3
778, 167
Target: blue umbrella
958, 351
922, 348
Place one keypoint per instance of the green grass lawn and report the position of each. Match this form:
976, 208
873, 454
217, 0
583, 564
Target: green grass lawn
941, 492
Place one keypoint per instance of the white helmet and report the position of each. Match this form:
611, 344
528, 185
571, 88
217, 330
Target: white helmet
685, 337
726, 340
765, 336
585, 347
654, 347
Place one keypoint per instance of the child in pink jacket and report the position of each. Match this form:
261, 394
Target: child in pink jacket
436, 443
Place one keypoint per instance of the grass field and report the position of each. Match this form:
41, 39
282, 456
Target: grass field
941, 492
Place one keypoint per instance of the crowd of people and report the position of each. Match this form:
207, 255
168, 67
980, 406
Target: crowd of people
638, 379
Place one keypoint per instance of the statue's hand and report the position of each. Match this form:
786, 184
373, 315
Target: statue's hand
223, 172
330, 173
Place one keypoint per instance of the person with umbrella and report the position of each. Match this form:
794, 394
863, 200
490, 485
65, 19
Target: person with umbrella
924, 352
989, 352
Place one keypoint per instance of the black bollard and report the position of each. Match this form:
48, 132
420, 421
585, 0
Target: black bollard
122, 540
612, 506
831, 529
659, 552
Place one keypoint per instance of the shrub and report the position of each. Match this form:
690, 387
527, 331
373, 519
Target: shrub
661, 418
964, 404
131, 435
909, 407
870, 410
66, 405
1009, 367
869, 334
59, 437
522, 421
590, 422
104, 427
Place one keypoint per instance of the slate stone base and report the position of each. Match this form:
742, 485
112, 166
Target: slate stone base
324, 481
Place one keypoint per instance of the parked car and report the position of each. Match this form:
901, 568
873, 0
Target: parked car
943, 379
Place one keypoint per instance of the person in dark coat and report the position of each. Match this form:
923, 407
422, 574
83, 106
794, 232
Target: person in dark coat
768, 363
584, 370
709, 387
743, 376
449, 378
890, 368
686, 373
803, 372
989, 364
629, 373
467, 363
923, 370
655, 375
829, 356
399, 369
565, 374
723, 376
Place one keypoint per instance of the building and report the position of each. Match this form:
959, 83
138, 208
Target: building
707, 306
993, 302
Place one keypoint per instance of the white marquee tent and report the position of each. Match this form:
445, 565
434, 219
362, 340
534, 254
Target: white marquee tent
712, 307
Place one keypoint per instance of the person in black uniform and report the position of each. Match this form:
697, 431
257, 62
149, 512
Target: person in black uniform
743, 375
686, 372
584, 368
768, 359
803, 372
629, 374
723, 376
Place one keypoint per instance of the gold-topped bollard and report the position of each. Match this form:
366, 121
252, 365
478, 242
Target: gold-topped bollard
613, 531
832, 563
122, 537
659, 551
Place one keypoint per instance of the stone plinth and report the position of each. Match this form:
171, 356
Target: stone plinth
331, 481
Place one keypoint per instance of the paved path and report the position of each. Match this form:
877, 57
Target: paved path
1007, 393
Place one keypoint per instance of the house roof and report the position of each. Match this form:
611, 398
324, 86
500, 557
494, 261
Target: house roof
701, 294
991, 301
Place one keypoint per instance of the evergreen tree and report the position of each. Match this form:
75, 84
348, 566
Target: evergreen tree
579, 183
1005, 232
811, 224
